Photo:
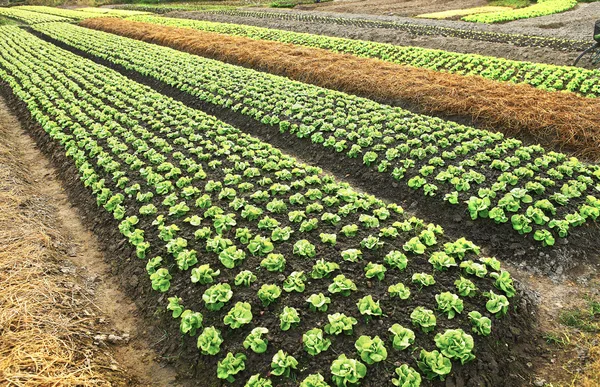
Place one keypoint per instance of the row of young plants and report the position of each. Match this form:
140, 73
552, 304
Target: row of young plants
543, 194
113, 11
170, 7
264, 260
542, 76
71, 14
452, 13
541, 8
30, 17
420, 29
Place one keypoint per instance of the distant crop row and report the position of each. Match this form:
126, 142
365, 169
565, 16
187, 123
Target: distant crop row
269, 243
543, 193
463, 12
541, 8
30, 17
420, 29
542, 76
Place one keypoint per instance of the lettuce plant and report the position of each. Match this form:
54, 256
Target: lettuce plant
318, 302
423, 318
350, 230
190, 322
295, 282
342, 285
351, 255
304, 248
282, 364
260, 246
153, 264
368, 307
423, 279
455, 344
269, 293
209, 341
496, 304
322, 269
375, 270
441, 261
396, 260
161, 280
434, 365
257, 381
216, 296
255, 340
415, 246
230, 366
244, 278
406, 377
481, 324
371, 350
289, 317
239, 315
273, 262
314, 380
473, 268
399, 290
231, 257
449, 303
339, 323
314, 342
465, 287
281, 234
504, 282
347, 371
402, 337
204, 274
175, 306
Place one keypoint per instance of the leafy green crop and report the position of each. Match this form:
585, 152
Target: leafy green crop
314, 342
256, 341
347, 371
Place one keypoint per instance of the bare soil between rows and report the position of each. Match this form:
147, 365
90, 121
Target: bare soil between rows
382, 35
497, 362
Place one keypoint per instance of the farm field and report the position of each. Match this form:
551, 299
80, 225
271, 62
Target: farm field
312, 210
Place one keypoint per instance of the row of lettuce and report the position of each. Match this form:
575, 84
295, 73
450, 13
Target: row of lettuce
540, 8
256, 242
543, 76
415, 28
33, 14
544, 194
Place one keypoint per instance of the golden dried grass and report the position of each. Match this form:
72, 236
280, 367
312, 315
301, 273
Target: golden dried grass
563, 121
45, 334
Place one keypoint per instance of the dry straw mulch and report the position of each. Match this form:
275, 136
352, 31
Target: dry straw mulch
46, 318
561, 120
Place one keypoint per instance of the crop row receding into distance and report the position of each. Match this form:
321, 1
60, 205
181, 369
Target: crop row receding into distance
516, 109
246, 241
541, 194
542, 76
419, 29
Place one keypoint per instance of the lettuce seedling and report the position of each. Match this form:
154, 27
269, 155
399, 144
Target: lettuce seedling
260, 246
330, 239
473, 268
153, 265
396, 260
318, 302
244, 278
231, 257
497, 304
216, 296
204, 274
371, 243
441, 261
545, 237
456, 344
282, 364
351, 255
415, 246
280, 234
449, 303
255, 340
339, 323
209, 341
239, 315
423, 279
481, 324
465, 287
368, 307
257, 381
314, 342
322, 269
434, 365
269, 293
314, 380
407, 377
375, 270
231, 365
402, 337
190, 322
273, 262
161, 280
350, 230
504, 282
304, 248
342, 285
424, 318
175, 306
399, 290
289, 317
295, 282
347, 371
371, 350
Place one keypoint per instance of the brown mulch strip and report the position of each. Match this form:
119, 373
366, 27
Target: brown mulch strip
561, 120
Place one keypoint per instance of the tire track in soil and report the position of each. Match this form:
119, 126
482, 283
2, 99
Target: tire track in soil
136, 354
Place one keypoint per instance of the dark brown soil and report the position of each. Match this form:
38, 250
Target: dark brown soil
387, 7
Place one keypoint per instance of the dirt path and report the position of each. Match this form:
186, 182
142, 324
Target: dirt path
467, 46
109, 332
